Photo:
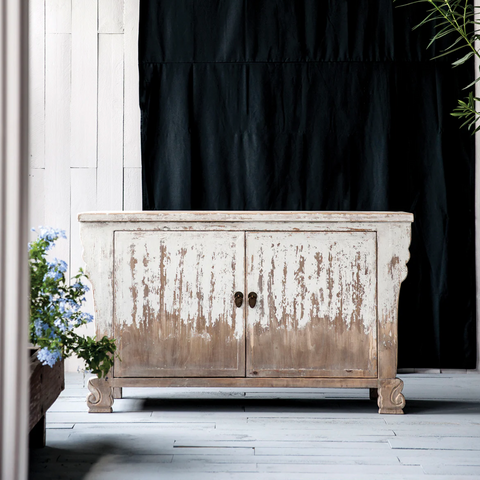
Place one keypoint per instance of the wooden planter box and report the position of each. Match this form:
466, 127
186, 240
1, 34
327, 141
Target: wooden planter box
46, 384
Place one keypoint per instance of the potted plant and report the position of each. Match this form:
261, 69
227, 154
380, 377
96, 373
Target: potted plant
55, 313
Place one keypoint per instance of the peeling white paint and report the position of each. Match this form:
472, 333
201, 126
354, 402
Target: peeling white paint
191, 276
309, 275
347, 352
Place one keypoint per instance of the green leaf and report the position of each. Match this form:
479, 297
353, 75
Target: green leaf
463, 59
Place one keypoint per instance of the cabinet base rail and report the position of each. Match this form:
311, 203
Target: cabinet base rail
387, 392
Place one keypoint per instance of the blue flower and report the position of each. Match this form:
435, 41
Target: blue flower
73, 305
53, 274
51, 234
60, 324
80, 286
48, 357
39, 327
58, 265
87, 317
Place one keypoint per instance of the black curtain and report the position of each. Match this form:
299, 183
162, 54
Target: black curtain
319, 105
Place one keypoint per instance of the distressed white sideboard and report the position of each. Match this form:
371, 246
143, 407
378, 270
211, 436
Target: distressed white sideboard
248, 299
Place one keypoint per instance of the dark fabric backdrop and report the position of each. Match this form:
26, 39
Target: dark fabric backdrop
319, 105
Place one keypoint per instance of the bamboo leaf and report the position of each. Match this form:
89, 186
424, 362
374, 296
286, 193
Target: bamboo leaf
462, 60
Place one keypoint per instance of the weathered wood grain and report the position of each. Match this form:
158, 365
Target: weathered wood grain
247, 382
46, 384
174, 309
327, 286
316, 308
100, 399
205, 418
253, 216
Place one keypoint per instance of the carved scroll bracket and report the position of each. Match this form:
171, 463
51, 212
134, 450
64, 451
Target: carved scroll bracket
100, 400
390, 397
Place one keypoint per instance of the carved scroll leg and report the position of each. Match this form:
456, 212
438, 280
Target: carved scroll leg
390, 398
101, 398
117, 392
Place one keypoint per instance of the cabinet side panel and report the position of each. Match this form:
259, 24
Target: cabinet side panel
393, 255
316, 307
97, 243
174, 304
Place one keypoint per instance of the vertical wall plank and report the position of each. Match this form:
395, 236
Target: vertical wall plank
110, 16
36, 204
110, 123
57, 137
88, 121
84, 84
58, 16
132, 108
132, 189
37, 84
83, 199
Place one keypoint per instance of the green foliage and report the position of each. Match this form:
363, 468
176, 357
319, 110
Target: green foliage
455, 19
55, 310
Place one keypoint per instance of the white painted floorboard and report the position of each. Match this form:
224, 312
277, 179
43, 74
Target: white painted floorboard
237, 434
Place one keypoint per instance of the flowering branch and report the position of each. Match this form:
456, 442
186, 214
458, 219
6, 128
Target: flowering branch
55, 310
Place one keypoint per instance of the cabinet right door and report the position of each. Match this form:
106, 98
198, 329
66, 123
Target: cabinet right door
315, 313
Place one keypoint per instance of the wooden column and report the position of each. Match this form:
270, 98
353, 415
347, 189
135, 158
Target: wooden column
13, 239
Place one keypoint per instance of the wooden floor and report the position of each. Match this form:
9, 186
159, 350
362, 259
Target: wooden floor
266, 434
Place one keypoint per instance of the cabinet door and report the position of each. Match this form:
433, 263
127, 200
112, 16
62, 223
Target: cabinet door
316, 304
174, 304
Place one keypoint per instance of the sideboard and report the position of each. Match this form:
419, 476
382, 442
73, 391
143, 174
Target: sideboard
248, 299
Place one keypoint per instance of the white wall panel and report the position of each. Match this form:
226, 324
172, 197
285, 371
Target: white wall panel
84, 84
36, 204
37, 90
57, 136
58, 16
132, 188
110, 16
110, 122
132, 108
83, 199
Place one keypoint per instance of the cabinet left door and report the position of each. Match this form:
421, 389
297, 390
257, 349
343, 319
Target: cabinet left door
174, 309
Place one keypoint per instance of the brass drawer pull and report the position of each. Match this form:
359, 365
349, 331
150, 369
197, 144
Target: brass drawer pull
252, 299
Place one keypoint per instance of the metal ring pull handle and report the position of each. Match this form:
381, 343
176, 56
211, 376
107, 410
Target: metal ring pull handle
252, 299
238, 299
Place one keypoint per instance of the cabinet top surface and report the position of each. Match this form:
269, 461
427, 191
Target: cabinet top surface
244, 216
